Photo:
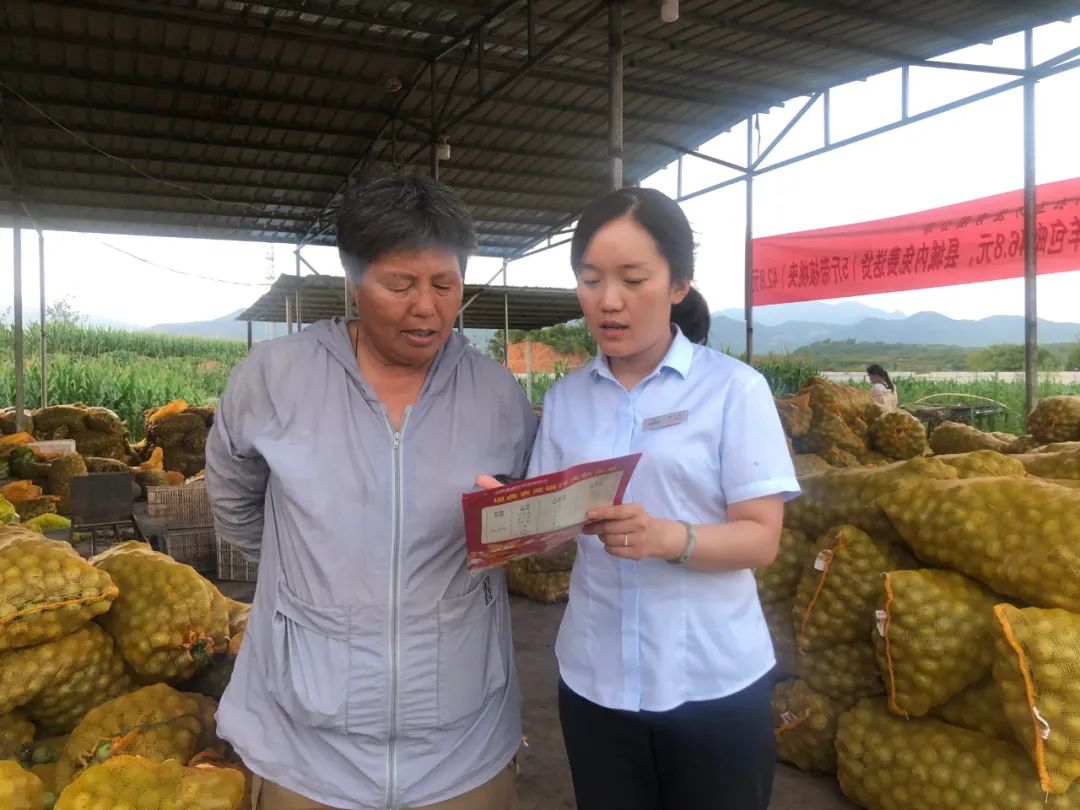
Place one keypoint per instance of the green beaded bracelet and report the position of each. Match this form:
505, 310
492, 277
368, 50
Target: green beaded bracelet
691, 541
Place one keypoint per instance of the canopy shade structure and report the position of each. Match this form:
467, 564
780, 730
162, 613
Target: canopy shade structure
218, 118
486, 307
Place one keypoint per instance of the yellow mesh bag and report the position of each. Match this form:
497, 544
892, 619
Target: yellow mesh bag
238, 616
849, 497
782, 631
804, 722
953, 437
1056, 419
807, 464
57, 682
19, 789
155, 722
1037, 670
167, 621
844, 672
984, 464
61, 471
1021, 444
1017, 535
935, 636
779, 581
143, 784
795, 414
46, 589
1062, 465
836, 595
979, 708
840, 419
16, 734
885, 762
91, 671
547, 587
899, 435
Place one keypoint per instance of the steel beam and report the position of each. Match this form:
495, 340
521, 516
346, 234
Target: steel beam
20, 371
748, 257
42, 311
787, 129
1031, 322
615, 92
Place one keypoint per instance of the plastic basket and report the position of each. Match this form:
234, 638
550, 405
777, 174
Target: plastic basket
234, 566
194, 547
180, 507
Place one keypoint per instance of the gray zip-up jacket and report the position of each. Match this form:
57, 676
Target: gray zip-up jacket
376, 670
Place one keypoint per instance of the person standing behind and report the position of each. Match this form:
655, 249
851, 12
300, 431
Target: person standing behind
664, 655
377, 671
882, 389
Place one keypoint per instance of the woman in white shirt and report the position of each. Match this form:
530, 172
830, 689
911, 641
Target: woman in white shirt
882, 389
663, 652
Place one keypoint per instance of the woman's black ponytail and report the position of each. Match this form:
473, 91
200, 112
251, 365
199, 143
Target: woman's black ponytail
692, 316
879, 371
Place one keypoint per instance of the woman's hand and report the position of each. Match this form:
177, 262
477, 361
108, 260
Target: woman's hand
487, 482
630, 533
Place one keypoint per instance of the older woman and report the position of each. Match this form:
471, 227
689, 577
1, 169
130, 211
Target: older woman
376, 671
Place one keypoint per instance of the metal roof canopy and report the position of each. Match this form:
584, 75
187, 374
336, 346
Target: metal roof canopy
219, 118
485, 306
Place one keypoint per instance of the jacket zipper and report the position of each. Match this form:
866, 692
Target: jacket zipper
395, 582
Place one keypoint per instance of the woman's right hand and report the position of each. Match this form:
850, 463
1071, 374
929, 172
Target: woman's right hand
487, 482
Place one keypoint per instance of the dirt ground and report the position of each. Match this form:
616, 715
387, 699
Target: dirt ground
545, 775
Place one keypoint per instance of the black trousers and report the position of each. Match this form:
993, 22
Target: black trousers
709, 755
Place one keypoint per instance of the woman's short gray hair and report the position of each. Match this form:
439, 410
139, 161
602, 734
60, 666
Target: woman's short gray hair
401, 213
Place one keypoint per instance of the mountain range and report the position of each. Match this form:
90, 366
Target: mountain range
779, 329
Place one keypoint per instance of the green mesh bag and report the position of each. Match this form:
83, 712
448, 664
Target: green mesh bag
804, 722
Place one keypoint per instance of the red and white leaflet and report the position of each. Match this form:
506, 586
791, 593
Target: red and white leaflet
539, 514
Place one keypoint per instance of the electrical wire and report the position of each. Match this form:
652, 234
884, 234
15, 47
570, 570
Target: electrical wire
138, 258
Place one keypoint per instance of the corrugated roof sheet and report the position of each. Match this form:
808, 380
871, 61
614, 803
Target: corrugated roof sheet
242, 119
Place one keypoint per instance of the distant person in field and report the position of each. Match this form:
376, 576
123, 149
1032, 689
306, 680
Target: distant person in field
881, 387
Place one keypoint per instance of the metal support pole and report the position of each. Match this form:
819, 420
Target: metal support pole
288, 315
828, 117
1031, 323
528, 368
905, 92
679, 179
434, 124
348, 299
298, 284
249, 335
615, 92
20, 379
44, 360
506, 313
749, 255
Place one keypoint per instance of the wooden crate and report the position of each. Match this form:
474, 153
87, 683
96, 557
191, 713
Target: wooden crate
233, 566
182, 507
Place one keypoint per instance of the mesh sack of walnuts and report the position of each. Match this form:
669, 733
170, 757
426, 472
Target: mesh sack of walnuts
782, 632
1056, 419
1016, 535
19, 789
136, 782
807, 464
935, 636
795, 414
57, 682
779, 581
168, 621
885, 762
1037, 670
984, 464
155, 722
849, 497
837, 593
978, 708
952, 437
1021, 444
804, 722
845, 672
1061, 465
899, 435
46, 589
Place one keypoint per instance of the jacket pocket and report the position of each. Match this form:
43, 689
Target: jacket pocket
472, 661
310, 665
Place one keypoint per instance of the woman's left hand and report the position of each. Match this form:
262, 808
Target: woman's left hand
631, 533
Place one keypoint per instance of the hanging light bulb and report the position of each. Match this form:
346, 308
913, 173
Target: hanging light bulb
442, 149
669, 10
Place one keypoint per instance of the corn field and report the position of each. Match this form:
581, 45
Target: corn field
93, 341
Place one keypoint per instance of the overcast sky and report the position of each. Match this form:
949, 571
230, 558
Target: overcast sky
962, 155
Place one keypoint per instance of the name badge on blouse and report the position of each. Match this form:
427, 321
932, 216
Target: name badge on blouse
667, 420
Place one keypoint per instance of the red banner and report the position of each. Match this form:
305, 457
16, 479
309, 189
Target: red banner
980, 240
